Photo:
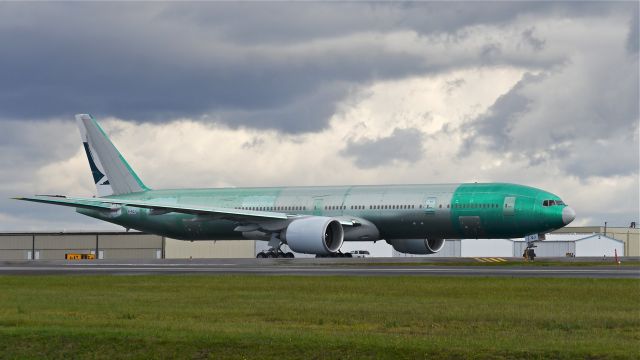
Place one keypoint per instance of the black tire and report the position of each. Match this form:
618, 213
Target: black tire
261, 255
348, 255
289, 255
271, 255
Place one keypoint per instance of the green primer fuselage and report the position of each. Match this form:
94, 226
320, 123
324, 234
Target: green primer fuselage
491, 210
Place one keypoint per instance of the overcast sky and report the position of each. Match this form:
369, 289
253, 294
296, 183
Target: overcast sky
260, 94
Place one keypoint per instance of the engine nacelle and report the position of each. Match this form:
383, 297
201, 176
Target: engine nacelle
417, 246
314, 235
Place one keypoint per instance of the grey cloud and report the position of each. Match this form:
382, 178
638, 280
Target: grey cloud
490, 51
452, 85
254, 143
26, 148
587, 128
307, 114
273, 22
613, 217
530, 39
633, 38
604, 158
65, 63
227, 61
496, 123
403, 145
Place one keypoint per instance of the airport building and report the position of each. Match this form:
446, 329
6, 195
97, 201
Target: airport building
115, 245
576, 241
630, 236
579, 241
555, 245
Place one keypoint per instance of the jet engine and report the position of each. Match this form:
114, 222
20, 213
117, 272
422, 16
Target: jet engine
314, 235
417, 246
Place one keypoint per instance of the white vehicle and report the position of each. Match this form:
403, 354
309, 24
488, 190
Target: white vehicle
359, 253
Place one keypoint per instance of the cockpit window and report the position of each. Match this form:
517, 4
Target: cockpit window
552, 203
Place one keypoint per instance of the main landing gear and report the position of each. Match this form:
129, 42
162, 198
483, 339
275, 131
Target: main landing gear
335, 255
274, 253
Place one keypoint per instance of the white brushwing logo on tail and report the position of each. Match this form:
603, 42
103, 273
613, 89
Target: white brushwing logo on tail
99, 178
111, 172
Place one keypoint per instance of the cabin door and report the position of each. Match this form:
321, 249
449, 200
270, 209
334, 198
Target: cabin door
318, 205
509, 206
430, 205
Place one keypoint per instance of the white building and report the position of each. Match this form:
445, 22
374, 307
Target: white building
555, 245
574, 244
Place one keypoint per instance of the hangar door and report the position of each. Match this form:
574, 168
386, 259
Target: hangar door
486, 248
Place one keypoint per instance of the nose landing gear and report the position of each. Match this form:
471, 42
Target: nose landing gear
529, 254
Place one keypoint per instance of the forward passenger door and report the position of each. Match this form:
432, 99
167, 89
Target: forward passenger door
509, 206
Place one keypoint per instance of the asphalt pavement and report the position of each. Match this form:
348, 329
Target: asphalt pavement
316, 267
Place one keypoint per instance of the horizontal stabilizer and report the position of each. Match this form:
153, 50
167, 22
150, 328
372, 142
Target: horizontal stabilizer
64, 201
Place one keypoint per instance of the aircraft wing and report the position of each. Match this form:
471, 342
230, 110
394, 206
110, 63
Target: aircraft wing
163, 208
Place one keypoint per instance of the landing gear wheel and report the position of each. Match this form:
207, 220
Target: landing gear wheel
275, 249
529, 254
261, 255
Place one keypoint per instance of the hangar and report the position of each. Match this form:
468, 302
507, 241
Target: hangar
630, 236
574, 245
114, 245
555, 245
580, 241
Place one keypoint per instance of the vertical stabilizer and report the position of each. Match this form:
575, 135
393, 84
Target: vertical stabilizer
111, 172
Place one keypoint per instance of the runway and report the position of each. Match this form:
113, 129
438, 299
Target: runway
311, 267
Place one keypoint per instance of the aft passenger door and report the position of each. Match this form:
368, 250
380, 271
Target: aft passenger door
318, 204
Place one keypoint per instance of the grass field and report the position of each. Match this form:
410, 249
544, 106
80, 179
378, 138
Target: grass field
255, 317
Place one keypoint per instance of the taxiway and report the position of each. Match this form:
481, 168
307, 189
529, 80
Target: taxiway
349, 267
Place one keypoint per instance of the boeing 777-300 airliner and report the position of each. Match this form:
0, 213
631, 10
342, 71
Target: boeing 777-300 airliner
414, 219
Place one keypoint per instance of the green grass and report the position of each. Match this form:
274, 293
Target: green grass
256, 317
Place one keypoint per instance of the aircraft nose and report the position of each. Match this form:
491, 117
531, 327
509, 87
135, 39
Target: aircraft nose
568, 215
